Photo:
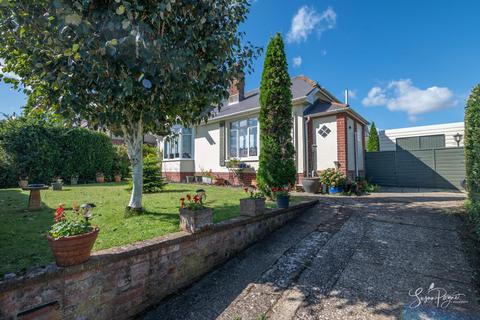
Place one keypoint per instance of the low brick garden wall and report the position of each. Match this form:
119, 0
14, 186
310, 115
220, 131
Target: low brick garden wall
121, 282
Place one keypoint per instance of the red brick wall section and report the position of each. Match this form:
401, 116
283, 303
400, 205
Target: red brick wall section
244, 179
342, 142
177, 176
121, 282
310, 135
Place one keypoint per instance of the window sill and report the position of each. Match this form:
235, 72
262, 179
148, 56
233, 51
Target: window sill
245, 159
178, 159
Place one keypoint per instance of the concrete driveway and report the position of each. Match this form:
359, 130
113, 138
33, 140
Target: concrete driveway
385, 256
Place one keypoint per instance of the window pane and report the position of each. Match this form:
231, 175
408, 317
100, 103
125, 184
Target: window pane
175, 151
253, 142
243, 142
187, 130
187, 146
252, 122
166, 149
233, 144
234, 124
243, 123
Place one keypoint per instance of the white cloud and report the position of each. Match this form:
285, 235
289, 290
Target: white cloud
402, 95
297, 62
352, 93
307, 19
8, 74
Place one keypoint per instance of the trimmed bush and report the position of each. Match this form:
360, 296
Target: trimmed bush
472, 154
42, 151
373, 140
152, 174
276, 161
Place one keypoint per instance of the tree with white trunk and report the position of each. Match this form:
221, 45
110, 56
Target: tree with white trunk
131, 66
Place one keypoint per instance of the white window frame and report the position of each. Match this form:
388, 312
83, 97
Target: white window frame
180, 137
229, 130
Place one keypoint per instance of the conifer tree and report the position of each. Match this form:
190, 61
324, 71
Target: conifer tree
276, 161
373, 141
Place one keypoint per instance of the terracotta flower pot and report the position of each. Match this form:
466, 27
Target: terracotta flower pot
70, 251
100, 179
118, 178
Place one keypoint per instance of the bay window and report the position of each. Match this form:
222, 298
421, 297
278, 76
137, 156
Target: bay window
179, 145
243, 138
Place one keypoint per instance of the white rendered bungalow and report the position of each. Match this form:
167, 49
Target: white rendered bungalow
326, 134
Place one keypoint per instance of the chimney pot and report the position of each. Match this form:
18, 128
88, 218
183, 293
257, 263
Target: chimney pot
237, 90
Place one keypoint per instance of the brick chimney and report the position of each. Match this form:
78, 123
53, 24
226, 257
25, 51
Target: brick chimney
237, 90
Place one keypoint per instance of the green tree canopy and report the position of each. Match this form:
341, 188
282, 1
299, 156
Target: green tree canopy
276, 161
134, 65
373, 141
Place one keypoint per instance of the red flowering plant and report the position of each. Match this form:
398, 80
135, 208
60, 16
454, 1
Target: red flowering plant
253, 192
280, 192
194, 202
69, 224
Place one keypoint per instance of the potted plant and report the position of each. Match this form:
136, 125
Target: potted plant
254, 205
72, 236
194, 215
74, 179
57, 184
117, 177
219, 181
100, 177
282, 196
207, 176
23, 181
333, 179
311, 184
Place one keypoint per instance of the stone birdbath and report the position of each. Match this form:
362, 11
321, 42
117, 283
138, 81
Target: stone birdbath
35, 199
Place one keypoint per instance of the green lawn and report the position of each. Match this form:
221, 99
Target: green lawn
22, 233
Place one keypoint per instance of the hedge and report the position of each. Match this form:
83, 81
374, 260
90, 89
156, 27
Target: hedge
43, 151
472, 154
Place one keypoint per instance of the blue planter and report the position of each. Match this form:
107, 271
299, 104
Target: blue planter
283, 202
334, 190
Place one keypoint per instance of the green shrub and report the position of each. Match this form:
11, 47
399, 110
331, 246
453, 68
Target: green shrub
332, 177
42, 150
276, 160
8, 176
472, 154
152, 174
121, 163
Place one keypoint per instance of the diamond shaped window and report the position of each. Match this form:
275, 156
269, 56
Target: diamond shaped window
324, 131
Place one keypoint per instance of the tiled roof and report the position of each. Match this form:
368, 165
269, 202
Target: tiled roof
301, 87
322, 106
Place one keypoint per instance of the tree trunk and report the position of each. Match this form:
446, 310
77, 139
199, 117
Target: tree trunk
133, 135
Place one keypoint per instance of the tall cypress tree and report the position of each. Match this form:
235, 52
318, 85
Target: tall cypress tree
276, 162
373, 141
472, 151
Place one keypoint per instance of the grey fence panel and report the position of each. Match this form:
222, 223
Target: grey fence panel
435, 168
380, 167
450, 166
415, 168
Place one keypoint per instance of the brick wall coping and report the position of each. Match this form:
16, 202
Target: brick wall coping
104, 257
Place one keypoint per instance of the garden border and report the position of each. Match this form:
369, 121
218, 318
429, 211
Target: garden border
121, 282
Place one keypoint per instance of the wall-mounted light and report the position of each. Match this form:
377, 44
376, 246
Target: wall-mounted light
458, 137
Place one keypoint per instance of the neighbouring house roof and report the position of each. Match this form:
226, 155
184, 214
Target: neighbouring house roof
302, 86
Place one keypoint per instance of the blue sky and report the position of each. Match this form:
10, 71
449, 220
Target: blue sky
405, 62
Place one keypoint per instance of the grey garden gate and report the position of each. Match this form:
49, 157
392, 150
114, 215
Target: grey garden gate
442, 168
